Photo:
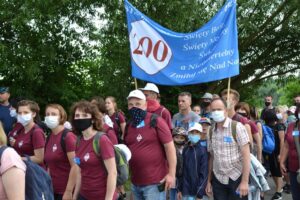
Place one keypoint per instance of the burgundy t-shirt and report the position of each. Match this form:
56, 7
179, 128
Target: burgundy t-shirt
57, 160
293, 162
165, 114
121, 120
111, 134
244, 120
93, 172
148, 163
26, 143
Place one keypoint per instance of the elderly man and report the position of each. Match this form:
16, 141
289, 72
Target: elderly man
153, 162
229, 162
153, 103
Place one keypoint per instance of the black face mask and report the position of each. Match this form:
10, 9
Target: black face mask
267, 103
243, 114
137, 116
204, 104
82, 124
179, 143
297, 105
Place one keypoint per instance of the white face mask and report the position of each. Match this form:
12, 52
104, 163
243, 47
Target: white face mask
279, 115
24, 119
13, 112
218, 115
51, 121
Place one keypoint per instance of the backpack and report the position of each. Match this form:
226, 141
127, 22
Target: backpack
268, 140
121, 161
119, 133
62, 139
38, 184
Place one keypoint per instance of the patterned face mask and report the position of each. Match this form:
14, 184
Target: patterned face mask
137, 115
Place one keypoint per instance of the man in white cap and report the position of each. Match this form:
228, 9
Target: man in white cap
153, 161
153, 105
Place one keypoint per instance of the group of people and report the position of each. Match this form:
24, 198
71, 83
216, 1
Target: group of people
206, 150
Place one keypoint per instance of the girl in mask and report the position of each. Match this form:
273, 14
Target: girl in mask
27, 138
59, 157
117, 117
193, 181
96, 175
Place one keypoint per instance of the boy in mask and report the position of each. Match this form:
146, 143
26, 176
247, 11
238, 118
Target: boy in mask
193, 181
180, 139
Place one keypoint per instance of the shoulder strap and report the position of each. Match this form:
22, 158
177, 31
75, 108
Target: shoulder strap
233, 129
96, 143
63, 139
153, 120
31, 134
117, 118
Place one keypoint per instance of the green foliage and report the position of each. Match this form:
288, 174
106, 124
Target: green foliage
289, 91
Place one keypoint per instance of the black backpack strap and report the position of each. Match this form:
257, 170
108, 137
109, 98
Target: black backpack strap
153, 120
117, 118
78, 141
63, 139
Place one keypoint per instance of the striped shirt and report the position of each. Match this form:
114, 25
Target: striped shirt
226, 150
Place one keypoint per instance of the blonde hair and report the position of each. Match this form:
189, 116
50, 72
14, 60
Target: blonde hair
3, 138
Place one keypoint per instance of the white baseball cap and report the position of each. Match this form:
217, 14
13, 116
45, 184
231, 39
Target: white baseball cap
196, 127
151, 87
292, 109
137, 94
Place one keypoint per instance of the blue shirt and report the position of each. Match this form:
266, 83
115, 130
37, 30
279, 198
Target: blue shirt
6, 119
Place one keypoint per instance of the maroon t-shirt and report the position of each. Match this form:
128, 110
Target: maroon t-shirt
93, 172
244, 120
121, 118
165, 114
111, 134
293, 161
148, 163
26, 143
57, 160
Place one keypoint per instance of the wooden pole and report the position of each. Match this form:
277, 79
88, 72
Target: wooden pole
135, 83
228, 92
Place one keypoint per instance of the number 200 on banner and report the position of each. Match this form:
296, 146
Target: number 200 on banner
149, 50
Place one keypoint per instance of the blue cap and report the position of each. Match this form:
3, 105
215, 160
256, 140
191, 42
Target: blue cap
4, 89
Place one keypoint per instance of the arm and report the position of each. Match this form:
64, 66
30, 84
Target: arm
38, 156
123, 125
209, 177
283, 156
281, 139
171, 157
72, 176
248, 128
10, 178
110, 165
243, 187
258, 141
203, 172
77, 172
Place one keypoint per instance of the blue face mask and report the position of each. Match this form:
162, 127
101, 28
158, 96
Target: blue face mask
194, 138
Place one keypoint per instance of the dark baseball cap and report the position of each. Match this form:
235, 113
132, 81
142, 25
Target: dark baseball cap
4, 89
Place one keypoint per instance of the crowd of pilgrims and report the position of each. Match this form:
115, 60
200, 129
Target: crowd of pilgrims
172, 157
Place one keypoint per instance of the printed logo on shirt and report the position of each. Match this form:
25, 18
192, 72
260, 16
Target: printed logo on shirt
86, 157
20, 144
54, 148
139, 138
15, 133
